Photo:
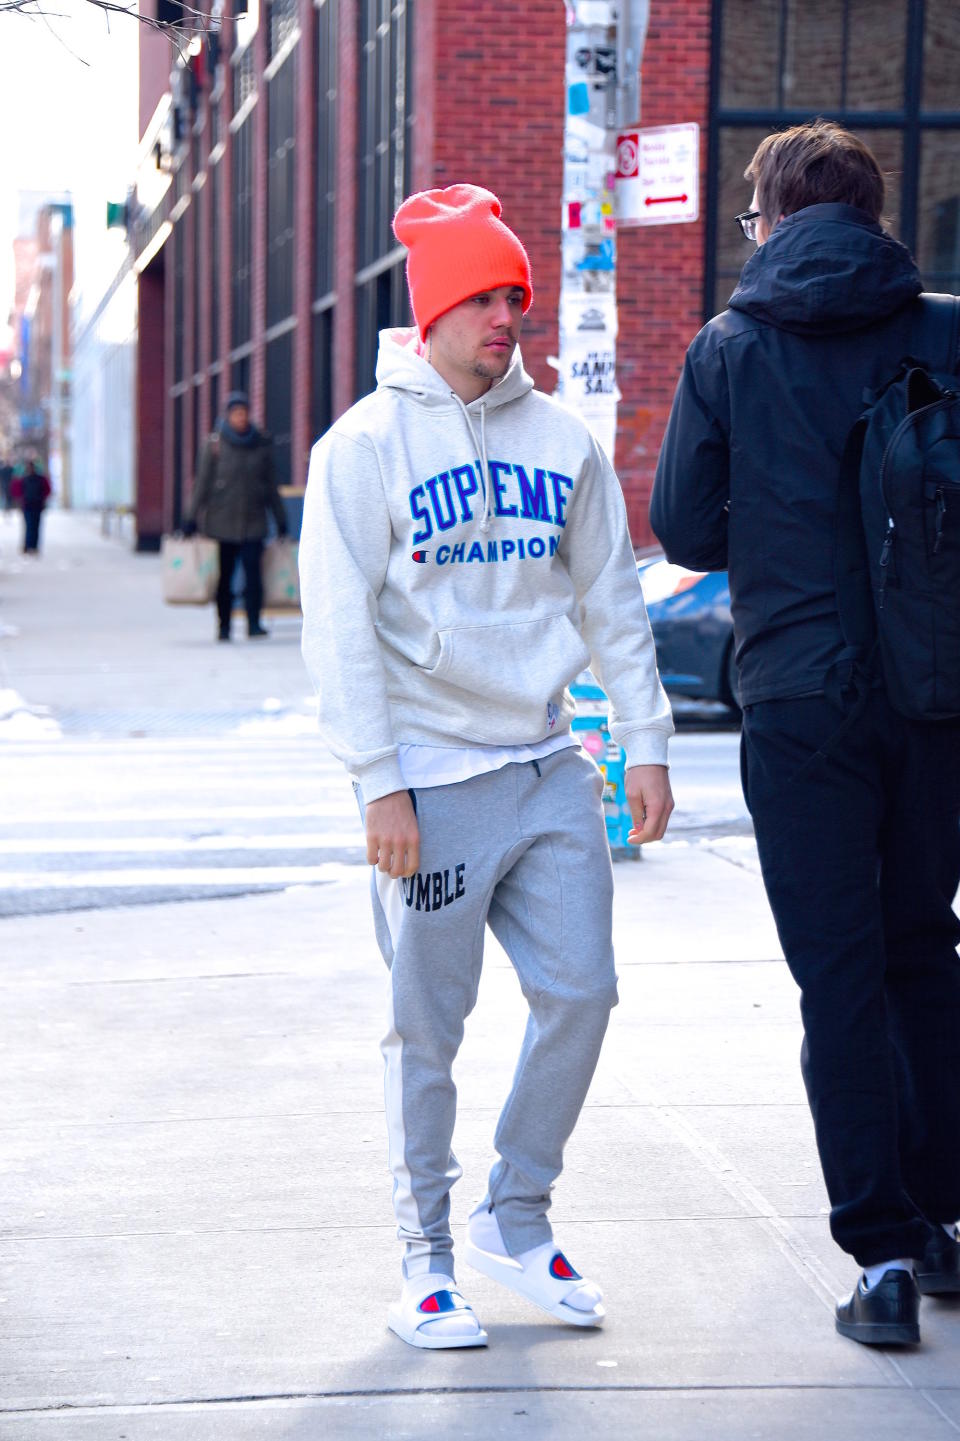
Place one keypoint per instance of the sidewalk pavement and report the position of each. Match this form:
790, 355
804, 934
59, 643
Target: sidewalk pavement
197, 1240
83, 630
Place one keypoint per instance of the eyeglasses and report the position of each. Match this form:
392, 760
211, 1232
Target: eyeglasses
747, 221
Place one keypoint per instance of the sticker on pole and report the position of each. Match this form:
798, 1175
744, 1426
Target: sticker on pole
658, 175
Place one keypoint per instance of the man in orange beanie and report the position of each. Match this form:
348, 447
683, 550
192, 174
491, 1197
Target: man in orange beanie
464, 556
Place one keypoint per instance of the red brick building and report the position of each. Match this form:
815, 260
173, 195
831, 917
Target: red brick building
268, 261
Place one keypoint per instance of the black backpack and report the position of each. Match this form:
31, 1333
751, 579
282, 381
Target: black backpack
898, 537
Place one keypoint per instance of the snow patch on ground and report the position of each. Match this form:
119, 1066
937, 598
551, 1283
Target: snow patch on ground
20, 721
277, 724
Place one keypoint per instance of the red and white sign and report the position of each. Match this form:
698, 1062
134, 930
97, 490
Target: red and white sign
658, 175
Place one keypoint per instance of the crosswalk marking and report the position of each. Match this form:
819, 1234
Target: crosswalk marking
148, 878
124, 821
153, 845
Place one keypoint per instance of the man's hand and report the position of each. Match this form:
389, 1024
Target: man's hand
393, 836
650, 800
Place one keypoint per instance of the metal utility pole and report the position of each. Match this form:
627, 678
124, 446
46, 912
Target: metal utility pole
605, 40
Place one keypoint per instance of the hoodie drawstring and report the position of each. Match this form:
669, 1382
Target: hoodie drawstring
485, 474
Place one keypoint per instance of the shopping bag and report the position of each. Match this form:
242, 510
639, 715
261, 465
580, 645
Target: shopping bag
281, 575
191, 569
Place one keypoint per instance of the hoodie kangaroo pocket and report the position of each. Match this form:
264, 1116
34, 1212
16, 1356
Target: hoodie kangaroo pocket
509, 672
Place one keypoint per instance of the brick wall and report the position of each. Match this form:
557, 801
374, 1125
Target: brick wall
489, 100
498, 121
660, 268
510, 137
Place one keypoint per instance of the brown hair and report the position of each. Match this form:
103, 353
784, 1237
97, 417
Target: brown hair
812, 165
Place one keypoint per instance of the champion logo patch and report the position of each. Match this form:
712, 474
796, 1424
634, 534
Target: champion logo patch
420, 556
439, 1301
561, 1270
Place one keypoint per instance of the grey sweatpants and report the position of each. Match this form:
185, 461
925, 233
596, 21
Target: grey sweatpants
524, 849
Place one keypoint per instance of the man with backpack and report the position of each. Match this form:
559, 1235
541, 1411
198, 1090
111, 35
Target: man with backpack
842, 544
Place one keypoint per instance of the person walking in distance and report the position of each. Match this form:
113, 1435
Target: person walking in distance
856, 804
464, 555
6, 486
31, 491
236, 490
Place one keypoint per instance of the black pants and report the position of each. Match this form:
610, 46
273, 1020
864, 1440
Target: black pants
860, 855
248, 552
32, 515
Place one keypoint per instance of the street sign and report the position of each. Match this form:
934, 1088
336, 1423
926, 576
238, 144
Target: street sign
658, 175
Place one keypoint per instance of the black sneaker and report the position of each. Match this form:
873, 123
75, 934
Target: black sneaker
938, 1270
223, 634
257, 632
886, 1315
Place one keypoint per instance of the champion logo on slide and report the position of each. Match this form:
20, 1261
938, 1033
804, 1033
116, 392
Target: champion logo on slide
439, 1301
420, 556
561, 1270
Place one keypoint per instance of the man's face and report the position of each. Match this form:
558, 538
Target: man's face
474, 342
238, 417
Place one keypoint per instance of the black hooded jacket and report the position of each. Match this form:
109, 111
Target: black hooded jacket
748, 471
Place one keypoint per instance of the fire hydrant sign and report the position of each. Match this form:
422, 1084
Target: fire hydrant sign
658, 175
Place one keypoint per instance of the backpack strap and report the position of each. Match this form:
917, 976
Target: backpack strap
851, 673
936, 333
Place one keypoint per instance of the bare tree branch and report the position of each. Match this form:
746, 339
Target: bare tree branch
204, 22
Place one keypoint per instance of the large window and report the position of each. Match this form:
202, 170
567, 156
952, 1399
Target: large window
199, 269
385, 119
177, 240
884, 68
326, 173
279, 400
213, 278
242, 233
281, 97
324, 279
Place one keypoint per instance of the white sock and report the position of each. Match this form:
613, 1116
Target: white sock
874, 1274
456, 1323
485, 1232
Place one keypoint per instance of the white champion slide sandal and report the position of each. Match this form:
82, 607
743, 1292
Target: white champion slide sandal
542, 1275
433, 1315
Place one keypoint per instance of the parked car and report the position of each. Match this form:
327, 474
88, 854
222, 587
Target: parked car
693, 629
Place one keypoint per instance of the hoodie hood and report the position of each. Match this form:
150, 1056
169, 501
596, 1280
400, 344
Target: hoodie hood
825, 270
401, 367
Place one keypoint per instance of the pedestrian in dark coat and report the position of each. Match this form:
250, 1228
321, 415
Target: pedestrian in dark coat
236, 489
6, 485
31, 491
858, 829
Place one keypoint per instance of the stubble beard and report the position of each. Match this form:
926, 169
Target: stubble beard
492, 369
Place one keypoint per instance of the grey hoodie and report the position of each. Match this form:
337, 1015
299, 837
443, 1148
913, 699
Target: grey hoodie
460, 565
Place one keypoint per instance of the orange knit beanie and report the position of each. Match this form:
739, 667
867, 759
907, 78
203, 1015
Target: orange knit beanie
458, 246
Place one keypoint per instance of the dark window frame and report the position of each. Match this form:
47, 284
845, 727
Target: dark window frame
281, 99
911, 120
241, 233
325, 74
384, 133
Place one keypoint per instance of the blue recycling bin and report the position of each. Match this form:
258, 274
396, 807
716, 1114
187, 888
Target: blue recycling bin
592, 727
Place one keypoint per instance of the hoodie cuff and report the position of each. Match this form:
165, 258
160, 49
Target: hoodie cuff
646, 748
380, 778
